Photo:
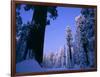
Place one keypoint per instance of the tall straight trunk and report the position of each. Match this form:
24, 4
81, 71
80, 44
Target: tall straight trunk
35, 40
86, 52
85, 43
42, 18
25, 52
70, 54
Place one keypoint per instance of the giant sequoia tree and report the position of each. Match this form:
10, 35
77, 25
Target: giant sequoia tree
89, 39
82, 42
69, 44
35, 39
85, 38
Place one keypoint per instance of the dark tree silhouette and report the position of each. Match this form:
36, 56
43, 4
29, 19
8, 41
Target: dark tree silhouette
18, 28
35, 39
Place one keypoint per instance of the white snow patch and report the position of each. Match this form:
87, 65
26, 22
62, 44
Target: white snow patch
28, 66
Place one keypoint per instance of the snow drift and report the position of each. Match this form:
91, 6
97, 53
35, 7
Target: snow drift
28, 66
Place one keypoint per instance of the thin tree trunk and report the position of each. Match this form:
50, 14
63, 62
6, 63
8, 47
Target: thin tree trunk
86, 51
25, 53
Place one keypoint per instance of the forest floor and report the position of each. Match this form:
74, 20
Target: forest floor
32, 65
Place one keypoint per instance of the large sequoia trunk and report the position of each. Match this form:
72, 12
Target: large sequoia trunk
35, 40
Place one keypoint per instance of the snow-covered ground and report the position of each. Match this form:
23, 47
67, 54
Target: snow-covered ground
31, 65
28, 66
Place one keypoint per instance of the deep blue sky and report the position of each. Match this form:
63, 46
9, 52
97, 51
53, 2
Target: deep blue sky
55, 36
55, 32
